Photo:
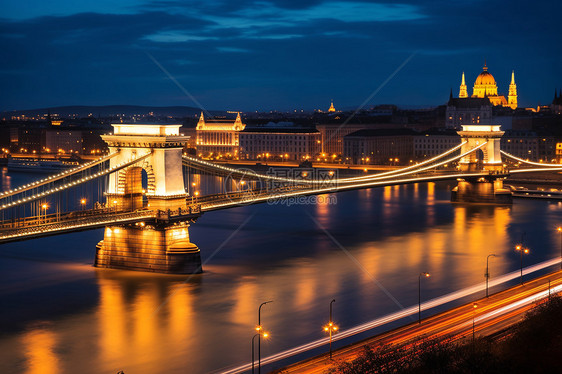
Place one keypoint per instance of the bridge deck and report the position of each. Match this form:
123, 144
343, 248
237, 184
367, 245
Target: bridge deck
32, 227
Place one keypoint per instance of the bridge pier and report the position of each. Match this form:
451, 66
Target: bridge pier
158, 248
481, 190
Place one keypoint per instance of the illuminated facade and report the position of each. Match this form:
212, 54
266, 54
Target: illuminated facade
331, 109
218, 139
280, 143
485, 87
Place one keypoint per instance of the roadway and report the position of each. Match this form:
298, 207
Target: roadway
492, 315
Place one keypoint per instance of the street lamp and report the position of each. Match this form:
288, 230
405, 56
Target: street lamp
259, 330
45, 207
265, 335
419, 293
83, 203
474, 306
521, 250
331, 328
487, 274
560, 232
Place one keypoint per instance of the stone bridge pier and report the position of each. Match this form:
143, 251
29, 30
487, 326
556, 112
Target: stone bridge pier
161, 245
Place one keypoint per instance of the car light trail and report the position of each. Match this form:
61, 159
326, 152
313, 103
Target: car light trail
413, 310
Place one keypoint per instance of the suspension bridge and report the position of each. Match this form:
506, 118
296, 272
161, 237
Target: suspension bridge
146, 193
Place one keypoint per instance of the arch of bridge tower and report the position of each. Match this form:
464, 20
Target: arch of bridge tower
123, 181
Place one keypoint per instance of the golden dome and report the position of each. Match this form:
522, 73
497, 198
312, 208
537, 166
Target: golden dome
485, 78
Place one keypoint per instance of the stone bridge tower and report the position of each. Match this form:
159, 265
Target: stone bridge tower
161, 245
488, 188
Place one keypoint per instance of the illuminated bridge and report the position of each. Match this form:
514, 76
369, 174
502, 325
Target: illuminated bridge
145, 193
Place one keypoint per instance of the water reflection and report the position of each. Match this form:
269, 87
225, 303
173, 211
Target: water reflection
147, 323
40, 345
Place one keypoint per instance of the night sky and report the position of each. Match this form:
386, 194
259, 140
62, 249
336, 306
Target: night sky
281, 54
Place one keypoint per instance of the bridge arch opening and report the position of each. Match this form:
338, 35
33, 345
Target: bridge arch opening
134, 183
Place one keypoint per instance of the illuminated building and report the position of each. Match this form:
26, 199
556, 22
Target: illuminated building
485, 87
434, 142
63, 141
279, 143
333, 135
218, 138
332, 109
468, 111
463, 92
371, 146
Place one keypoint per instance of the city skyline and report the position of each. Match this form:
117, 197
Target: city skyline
275, 55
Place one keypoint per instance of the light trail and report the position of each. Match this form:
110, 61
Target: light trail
411, 167
516, 171
385, 175
530, 162
273, 197
414, 310
74, 183
56, 177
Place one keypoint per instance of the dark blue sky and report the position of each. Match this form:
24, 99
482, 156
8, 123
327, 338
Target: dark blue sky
280, 54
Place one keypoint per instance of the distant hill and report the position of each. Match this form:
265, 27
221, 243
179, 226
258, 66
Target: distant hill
110, 110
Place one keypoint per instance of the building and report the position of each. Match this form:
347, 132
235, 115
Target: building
379, 146
485, 87
331, 109
431, 143
279, 143
332, 135
218, 138
530, 145
63, 141
467, 111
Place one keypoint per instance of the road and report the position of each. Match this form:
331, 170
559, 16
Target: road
490, 315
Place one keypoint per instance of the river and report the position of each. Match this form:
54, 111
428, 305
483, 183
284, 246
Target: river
365, 249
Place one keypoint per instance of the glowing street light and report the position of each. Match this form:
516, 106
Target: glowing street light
521, 250
559, 229
259, 329
83, 203
265, 335
474, 306
487, 274
331, 328
45, 206
426, 275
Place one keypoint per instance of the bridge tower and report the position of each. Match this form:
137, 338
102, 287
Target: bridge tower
487, 158
162, 245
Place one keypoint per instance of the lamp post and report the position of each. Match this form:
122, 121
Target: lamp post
521, 250
83, 203
265, 335
331, 328
424, 274
487, 275
259, 329
474, 306
44, 206
560, 232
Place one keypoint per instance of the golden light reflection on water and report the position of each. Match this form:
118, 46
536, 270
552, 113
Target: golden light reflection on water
40, 351
146, 323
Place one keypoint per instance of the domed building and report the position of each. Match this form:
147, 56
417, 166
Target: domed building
485, 86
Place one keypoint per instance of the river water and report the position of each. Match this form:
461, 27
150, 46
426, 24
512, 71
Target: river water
365, 249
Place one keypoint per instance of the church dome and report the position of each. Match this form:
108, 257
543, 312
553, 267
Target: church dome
485, 78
